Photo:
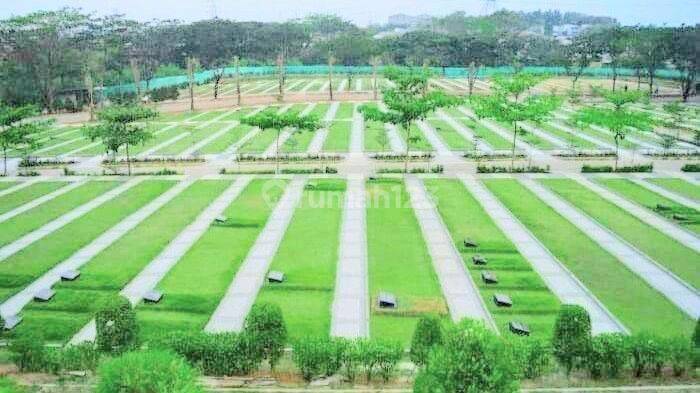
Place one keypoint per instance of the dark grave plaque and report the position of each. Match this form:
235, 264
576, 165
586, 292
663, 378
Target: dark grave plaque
386, 300
310, 186
70, 275
679, 217
502, 300
489, 278
153, 296
519, 328
479, 260
660, 206
275, 277
470, 243
44, 295
220, 219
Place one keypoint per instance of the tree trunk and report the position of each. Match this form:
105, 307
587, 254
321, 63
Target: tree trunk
277, 153
614, 78
128, 160
238, 82
617, 151
4, 154
408, 147
512, 155
651, 82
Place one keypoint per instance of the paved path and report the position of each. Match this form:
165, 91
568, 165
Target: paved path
324, 87
397, 144
60, 222
163, 145
13, 305
342, 85
677, 291
357, 132
460, 291
42, 199
640, 180
350, 309
558, 278
151, 275
598, 142
195, 148
441, 149
647, 216
320, 136
465, 132
544, 135
17, 187
231, 312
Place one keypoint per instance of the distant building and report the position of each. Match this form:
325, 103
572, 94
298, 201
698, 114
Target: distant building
408, 21
564, 33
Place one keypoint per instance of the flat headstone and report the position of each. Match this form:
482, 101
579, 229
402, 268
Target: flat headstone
519, 328
153, 296
12, 321
489, 278
275, 277
310, 186
220, 219
470, 243
502, 300
44, 295
372, 178
479, 260
70, 275
660, 206
386, 300
679, 217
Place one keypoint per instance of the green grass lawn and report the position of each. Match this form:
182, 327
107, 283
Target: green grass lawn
237, 115
320, 111
374, 134
399, 263
420, 143
221, 143
338, 139
31, 262
679, 186
7, 184
298, 142
28, 221
533, 303
179, 116
26, 194
214, 260
663, 249
606, 137
345, 111
308, 256
527, 137
492, 139
570, 139
628, 297
453, 139
107, 273
260, 142
194, 137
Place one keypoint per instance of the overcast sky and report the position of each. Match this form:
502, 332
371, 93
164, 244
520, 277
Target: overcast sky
363, 12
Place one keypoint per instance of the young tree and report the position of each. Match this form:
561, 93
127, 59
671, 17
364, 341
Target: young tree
618, 120
281, 75
236, 64
16, 131
265, 325
579, 55
374, 62
677, 112
408, 102
331, 61
121, 126
684, 55
271, 120
652, 47
427, 335
191, 65
572, 336
505, 104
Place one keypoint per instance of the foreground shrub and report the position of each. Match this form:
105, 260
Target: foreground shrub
265, 326
507, 169
428, 333
647, 354
691, 168
623, 169
572, 336
147, 371
316, 357
607, 355
471, 359
117, 329
680, 354
28, 352
532, 356
164, 93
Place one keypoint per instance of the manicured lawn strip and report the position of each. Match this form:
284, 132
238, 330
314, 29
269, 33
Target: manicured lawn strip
229, 138
195, 136
298, 142
450, 136
63, 149
7, 184
533, 303
320, 111
421, 144
679, 186
627, 296
179, 116
494, 140
26, 194
28, 264
260, 142
338, 139
308, 256
211, 115
345, 111
213, 260
570, 139
237, 115
156, 140
606, 137
28, 221
373, 131
107, 273
398, 262
528, 137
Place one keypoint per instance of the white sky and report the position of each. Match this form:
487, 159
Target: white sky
363, 12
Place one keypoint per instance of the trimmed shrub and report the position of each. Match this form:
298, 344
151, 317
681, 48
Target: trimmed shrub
532, 356
311, 355
572, 336
80, 357
117, 329
696, 344
148, 371
265, 326
507, 169
28, 352
608, 354
428, 333
164, 93
680, 354
691, 168
388, 356
647, 354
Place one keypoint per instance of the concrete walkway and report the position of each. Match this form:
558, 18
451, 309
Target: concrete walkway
680, 199
324, 87
677, 291
556, 276
460, 291
41, 200
320, 136
357, 132
397, 144
598, 142
231, 312
151, 275
163, 145
350, 309
17, 187
647, 216
13, 305
60, 222
342, 85
465, 132
441, 148
544, 135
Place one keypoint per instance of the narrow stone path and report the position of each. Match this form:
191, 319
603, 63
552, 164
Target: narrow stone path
350, 309
42, 199
343, 84
231, 312
320, 135
357, 132
652, 219
676, 290
460, 291
639, 179
556, 276
397, 144
463, 131
17, 187
60, 222
15, 304
441, 148
324, 87
151, 275
205, 141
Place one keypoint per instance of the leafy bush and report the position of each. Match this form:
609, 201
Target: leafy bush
28, 352
504, 169
148, 371
622, 169
691, 168
378, 356
608, 355
80, 357
696, 344
596, 168
310, 355
471, 356
117, 328
680, 354
265, 326
164, 93
428, 334
9, 386
572, 336
532, 356
647, 353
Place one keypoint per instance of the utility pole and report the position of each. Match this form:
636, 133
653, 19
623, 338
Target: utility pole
331, 60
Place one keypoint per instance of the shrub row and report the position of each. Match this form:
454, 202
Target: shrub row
164, 93
492, 156
622, 169
33, 162
505, 169
288, 157
691, 168
434, 169
29, 353
400, 157
584, 154
147, 160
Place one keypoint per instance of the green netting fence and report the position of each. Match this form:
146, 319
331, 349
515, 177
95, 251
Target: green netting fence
449, 72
